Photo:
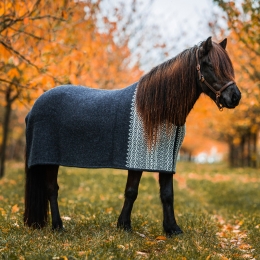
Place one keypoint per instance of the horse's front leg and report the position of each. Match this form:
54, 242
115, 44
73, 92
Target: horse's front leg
52, 189
131, 192
166, 192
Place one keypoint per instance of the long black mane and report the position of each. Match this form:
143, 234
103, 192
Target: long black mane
169, 91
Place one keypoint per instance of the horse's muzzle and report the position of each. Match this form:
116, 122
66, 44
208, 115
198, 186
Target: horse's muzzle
236, 98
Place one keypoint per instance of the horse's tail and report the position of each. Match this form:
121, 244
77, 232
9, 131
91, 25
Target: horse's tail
36, 198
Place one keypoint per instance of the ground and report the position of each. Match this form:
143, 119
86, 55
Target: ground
217, 208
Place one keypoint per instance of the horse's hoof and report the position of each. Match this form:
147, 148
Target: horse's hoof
174, 232
58, 229
125, 227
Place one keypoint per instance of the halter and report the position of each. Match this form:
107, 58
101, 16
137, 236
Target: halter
202, 79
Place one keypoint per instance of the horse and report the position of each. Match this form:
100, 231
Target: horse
137, 128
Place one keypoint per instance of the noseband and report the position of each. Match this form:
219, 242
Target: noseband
202, 79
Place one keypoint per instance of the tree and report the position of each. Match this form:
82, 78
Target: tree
23, 26
46, 43
243, 21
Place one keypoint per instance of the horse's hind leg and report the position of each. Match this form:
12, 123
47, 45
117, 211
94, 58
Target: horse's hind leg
131, 192
166, 192
52, 189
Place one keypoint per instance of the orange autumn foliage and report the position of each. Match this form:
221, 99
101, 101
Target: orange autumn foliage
48, 43
205, 124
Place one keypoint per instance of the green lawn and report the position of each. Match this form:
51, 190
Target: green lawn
217, 208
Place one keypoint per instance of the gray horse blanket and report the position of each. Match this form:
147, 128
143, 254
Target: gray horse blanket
91, 128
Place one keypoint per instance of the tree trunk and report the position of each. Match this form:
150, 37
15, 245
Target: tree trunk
240, 157
253, 150
249, 150
231, 154
255, 161
7, 116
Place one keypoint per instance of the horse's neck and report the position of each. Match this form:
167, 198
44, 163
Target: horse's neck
194, 100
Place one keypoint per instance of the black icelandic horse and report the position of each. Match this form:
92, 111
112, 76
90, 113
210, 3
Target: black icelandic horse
139, 128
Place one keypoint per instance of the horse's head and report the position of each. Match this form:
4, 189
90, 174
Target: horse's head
216, 74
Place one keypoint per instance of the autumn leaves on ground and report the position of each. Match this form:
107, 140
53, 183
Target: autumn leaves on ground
217, 208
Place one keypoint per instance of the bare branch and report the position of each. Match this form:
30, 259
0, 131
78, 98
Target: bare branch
14, 83
18, 54
29, 34
47, 16
8, 22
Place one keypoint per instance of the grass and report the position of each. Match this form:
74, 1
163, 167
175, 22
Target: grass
218, 209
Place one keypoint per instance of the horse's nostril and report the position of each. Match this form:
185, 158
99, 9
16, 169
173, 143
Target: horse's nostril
235, 98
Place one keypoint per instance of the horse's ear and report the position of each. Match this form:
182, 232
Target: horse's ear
223, 44
206, 46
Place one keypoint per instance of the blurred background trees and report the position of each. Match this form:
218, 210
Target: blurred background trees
95, 43
239, 128
243, 19
48, 43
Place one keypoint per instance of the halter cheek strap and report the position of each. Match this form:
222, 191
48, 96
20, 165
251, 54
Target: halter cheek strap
202, 79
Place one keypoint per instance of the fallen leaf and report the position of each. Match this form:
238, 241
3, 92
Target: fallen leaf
241, 222
15, 208
121, 246
16, 225
66, 245
229, 227
109, 210
66, 218
161, 238
2, 211
141, 253
247, 256
245, 246
150, 243
243, 235
5, 230
236, 227
139, 234
81, 253
222, 245
222, 234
